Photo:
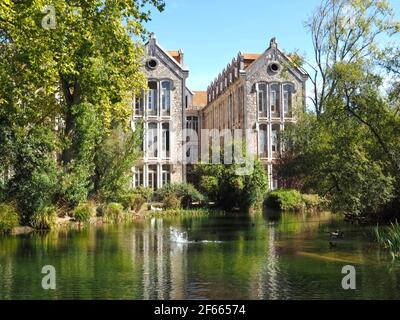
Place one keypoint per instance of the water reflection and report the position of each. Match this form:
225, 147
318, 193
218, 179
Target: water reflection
270, 256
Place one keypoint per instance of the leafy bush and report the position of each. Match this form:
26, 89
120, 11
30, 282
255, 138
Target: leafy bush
84, 211
146, 193
132, 201
186, 193
34, 183
313, 201
286, 200
114, 212
8, 218
171, 201
114, 158
389, 238
229, 190
44, 218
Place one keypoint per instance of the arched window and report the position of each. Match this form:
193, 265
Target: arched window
152, 98
274, 100
165, 98
287, 99
165, 140
152, 140
262, 99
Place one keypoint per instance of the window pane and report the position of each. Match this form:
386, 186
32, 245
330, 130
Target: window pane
165, 140
165, 97
152, 177
152, 140
166, 174
152, 98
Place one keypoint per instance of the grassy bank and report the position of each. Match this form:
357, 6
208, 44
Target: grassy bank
388, 237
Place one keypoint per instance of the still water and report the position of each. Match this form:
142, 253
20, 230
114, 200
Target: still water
284, 256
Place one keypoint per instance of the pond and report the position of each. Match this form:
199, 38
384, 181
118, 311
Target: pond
269, 256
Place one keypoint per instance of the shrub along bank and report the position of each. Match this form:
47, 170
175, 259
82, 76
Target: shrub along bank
293, 200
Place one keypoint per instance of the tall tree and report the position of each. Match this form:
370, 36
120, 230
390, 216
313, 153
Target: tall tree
69, 68
348, 148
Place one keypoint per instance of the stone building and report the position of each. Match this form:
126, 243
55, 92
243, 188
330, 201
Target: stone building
261, 92
161, 109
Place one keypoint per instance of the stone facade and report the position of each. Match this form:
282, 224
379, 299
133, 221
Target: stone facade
261, 92
162, 110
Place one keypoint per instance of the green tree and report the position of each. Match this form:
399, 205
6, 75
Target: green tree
348, 148
65, 89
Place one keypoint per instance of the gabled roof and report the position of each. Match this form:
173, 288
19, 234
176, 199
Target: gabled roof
166, 52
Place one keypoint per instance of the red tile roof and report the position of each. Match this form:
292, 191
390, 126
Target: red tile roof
249, 58
200, 98
176, 55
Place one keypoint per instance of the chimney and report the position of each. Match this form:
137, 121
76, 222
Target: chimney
180, 51
273, 43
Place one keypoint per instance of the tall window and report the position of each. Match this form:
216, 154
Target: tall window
166, 174
139, 104
262, 99
166, 98
192, 123
152, 177
263, 141
230, 111
274, 98
274, 138
287, 99
152, 98
139, 176
165, 140
152, 140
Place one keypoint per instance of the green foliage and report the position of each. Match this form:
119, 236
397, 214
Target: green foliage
9, 218
34, 183
114, 212
132, 200
286, 200
146, 193
313, 202
114, 160
348, 150
44, 218
65, 100
84, 211
389, 238
222, 185
171, 201
185, 193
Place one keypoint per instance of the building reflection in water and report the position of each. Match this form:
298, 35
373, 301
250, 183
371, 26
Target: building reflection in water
164, 262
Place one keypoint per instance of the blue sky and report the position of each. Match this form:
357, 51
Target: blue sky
212, 32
